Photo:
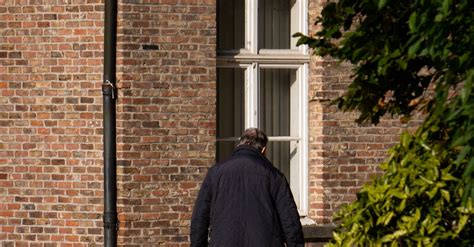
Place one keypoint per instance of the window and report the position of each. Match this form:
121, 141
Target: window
262, 82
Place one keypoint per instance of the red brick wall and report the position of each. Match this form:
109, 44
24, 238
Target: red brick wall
166, 112
50, 123
343, 155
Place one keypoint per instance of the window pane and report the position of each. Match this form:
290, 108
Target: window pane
278, 116
279, 154
275, 90
276, 23
230, 102
225, 150
230, 24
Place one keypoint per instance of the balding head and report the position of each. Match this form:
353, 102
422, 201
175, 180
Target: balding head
254, 137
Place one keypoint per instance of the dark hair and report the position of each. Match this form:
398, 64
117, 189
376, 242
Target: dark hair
254, 137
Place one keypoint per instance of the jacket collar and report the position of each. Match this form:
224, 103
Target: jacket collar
246, 149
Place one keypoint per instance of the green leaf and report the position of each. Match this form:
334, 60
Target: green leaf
469, 169
446, 5
399, 233
403, 64
302, 40
446, 195
382, 4
462, 222
426, 180
412, 22
385, 219
432, 192
447, 177
401, 206
439, 18
387, 238
395, 235
414, 48
425, 146
298, 34
337, 237
406, 139
399, 194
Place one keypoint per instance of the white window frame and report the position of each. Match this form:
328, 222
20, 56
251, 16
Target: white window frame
252, 59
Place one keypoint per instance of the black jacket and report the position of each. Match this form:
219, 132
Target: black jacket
245, 201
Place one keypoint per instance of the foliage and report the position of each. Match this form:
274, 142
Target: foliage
399, 47
419, 199
409, 56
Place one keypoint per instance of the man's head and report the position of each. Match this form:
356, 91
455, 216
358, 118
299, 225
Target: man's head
254, 137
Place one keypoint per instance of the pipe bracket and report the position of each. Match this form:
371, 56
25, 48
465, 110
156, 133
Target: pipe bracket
110, 220
109, 88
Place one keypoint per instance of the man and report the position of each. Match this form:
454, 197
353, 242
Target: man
246, 201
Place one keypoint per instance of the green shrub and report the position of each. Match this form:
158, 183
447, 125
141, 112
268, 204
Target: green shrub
420, 200
408, 56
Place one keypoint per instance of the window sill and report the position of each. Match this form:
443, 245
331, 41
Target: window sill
318, 233
263, 58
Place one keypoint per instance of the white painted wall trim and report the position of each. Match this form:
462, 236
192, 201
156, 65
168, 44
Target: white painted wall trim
252, 25
303, 74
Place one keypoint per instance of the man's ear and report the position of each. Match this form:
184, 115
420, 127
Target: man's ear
263, 150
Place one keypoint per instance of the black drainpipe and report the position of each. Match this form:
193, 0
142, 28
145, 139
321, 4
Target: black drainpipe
109, 96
